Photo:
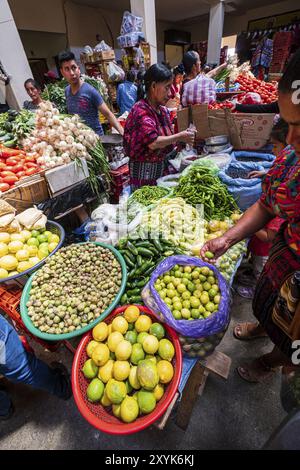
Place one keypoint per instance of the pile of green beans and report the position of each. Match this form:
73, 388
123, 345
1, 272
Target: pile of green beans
200, 186
147, 195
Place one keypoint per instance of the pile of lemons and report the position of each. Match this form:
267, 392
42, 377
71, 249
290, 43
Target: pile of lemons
23, 250
129, 364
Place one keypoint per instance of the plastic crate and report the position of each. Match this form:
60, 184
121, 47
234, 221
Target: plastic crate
10, 299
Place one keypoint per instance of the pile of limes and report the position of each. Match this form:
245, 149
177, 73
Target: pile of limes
129, 365
190, 292
22, 250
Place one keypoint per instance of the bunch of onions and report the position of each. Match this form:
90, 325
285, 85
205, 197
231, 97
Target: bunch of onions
59, 139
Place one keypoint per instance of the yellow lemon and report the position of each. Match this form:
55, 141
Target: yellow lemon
123, 350
100, 354
158, 391
166, 349
17, 236
143, 323
105, 401
54, 238
52, 246
133, 380
106, 372
121, 370
109, 329
100, 331
22, 255
119, 324
131, 313
23, 266
4, 237
150, 344
33, 250
165, 371
113, 340
116, 409
90, 347
3, 249
8, 262
15, 246
3, 273
129, 409
25, 234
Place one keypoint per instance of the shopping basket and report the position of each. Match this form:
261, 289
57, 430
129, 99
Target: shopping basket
53, 337
99, 416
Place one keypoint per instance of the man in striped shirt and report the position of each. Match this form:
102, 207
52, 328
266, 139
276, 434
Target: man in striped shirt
201, 89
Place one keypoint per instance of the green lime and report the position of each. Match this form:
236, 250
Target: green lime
32, 242
157, 330
42, 238
131, 336
35, 233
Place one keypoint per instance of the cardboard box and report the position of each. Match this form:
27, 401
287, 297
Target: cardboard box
27, 194
61, 178
107, 55
245, 130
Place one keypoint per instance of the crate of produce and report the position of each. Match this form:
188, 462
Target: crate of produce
86, 280
111, 411
19, 279
30, 191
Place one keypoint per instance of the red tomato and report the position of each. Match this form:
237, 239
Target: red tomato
9, 168
20, 173
31, 171
6, 173
12, 161
2, 166
10, 179
29, 159
31, 165
4, 187
18, 168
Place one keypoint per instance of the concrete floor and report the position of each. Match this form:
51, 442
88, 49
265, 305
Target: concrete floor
230, 414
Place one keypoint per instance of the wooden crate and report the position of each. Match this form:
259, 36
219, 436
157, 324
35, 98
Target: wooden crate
30, 192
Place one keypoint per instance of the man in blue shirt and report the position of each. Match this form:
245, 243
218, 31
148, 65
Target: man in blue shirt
82, 98
127, 93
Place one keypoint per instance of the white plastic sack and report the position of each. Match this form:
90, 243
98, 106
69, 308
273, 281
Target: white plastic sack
169, 181
29, 217
115, 73
6, 219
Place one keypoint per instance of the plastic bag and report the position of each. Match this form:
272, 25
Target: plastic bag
6, 208
251, 98
183, 159
204, 162
169, 181
244, 190
196, 328
40, 223
131, 23
29, 217
102, 46
115, 73
6, 220
264, 159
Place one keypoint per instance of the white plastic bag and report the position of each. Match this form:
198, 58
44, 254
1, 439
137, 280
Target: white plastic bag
29, 217
102, 46
169, 181
115, 73
6, 219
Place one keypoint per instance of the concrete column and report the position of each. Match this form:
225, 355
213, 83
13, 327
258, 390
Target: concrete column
146, 9
13, 57
215, 32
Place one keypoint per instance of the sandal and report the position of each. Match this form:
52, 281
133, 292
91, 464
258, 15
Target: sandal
256, 372
245, 334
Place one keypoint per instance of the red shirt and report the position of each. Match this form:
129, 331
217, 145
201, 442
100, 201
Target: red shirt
259, 248
143, 126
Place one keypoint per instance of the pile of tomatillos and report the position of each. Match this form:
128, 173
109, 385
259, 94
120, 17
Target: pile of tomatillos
73, 288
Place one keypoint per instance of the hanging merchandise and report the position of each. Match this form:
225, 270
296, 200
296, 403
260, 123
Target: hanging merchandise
115, 73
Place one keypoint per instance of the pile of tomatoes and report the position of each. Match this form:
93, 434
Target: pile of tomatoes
14, 166
223, 105
267, 90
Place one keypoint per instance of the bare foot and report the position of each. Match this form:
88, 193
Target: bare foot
256, 371
248, 331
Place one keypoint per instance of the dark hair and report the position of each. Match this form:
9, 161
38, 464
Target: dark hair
280, 131
179, 70
291, 74
157, 73
140, 75
190, 59
130, 76
32, 82
65, 56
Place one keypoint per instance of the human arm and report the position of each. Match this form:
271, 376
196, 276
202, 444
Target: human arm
104, 109
257, 174
161, 142
253, 220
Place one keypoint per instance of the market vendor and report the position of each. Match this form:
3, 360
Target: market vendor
280, 197
148, 136
82, 98
34, 90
